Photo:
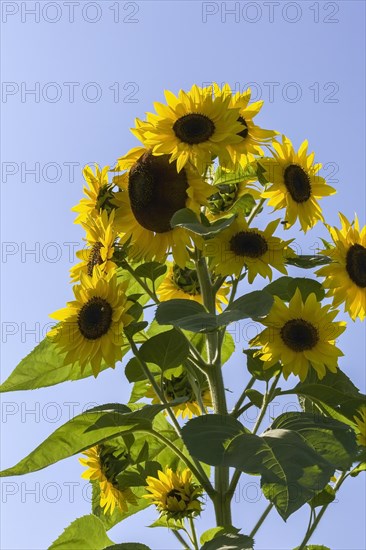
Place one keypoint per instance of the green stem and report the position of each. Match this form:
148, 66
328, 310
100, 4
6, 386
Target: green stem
181, 539
255, 211
204, 481
310, 531
138, 279
266, 401
261, 520
216, 383
194, 534
242, 397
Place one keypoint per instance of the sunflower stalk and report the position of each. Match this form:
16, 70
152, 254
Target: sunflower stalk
311, 528
221, 503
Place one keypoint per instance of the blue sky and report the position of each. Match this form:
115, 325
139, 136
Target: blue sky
93, 67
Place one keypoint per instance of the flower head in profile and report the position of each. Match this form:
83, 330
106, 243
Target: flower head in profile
152, 191
177, 387
91, 328
345, 277
174, 494
104, 467
241, 245
294, 184
99, 194
252, 136
301, 336
100, 237
360, 420
183, 284
193, 127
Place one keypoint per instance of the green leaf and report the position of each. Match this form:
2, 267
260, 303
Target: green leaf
255, 367
326, 496
43, 367
360, 468
185, 314
292, 471
206, 436
151, 270
308, 261
255, 304
255, 397
313, 547
285, 288
229, 541
187, 218
128, 546
214, 531
335, 394
81, 433
332, 440
167, 350
163, 521
85, 533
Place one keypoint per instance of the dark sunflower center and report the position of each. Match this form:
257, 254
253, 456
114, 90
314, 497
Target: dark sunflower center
248, 243
156, 191
174, 493
299, 335
194, 128
94, 258
356, 264
186, 279
95, 318
244, 132
297, 183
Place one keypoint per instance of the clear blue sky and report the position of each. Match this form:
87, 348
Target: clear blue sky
93, 67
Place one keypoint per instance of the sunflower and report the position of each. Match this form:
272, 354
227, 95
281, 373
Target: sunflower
99, 194
91, 328
174, 494
301, 336
295, 185
179, 386
227, 195
100, 237
345, 277
103, 467
240, 246
182, 283
193, 127
252, 136
360, 420
151, 192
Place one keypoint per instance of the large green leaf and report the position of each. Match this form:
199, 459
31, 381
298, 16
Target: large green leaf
81, 433
285, 288
255, 367
192, 316
332, 440
44, 367
335, 394
229, 541
85, 533
185, 314
151, 270
188, 219
308, 261
206, 436
167, 349
291, 471
255, 304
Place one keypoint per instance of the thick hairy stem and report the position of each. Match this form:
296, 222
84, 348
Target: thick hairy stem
221, 503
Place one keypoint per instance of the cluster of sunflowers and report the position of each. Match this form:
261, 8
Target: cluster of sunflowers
183, 205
